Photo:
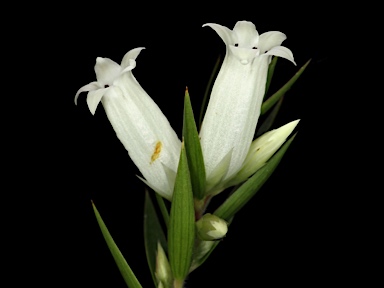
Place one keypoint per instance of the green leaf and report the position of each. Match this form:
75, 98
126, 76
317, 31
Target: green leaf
181, 232
245, 192
275, 97
193, 150
129, 278
163, 209
271, 70
268, 122
153, 233
208, 89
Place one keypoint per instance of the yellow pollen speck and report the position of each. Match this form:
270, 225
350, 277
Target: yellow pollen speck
157, 151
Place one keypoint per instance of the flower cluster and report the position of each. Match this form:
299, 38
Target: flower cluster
229, 124
224, 148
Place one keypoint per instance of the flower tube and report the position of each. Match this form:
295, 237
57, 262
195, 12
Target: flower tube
233, 110
138, 122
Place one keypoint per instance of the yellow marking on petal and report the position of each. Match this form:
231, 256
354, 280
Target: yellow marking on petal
157, 151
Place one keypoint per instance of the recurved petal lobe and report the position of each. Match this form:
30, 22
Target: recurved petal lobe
270, 39
89, 87
130, 55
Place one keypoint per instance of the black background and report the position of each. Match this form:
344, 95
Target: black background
281, 236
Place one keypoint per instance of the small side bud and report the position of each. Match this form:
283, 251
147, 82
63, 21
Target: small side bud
210, 227
163, 271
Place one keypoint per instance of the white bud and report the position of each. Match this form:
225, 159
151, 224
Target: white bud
163, 271
262, 149
210, 227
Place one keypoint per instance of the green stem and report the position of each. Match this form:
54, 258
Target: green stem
178, 283
200, 206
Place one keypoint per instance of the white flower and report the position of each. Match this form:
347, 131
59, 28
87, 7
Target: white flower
234, 106
138, 122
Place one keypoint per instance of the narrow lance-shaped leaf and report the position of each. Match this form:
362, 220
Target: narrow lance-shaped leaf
153, 233
193, 150
181, 232
208, 89
268, 122
271, 70
163, 209
246, 191
128, 275
276, 96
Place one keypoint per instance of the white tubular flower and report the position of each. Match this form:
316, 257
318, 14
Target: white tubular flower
261, 150
234, 106
138, 122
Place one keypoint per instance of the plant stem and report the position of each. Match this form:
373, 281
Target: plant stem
178, 283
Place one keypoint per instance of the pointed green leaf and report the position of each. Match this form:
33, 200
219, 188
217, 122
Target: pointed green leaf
208, 89
129, 278
163, 209
271, 70
193, 150
268, 122
181, 232
245, 192
275, 97
153, 233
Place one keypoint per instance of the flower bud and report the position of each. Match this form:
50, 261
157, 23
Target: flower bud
261, 150
210, 227
163, 269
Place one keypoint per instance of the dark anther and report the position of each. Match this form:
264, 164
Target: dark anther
236, 45
106, 86
254, 47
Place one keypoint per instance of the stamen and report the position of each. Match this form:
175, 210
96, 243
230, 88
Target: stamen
156, 152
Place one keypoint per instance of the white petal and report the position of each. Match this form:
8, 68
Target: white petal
94, 97
283, 52
232, 113
132, 54
224, 33
106, 71
160, 192
217, 174
246, 34
270, 39
221, 229
89, 87
171, 176
130, 66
